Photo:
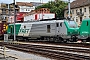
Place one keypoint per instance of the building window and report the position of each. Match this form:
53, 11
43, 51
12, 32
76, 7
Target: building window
84, 9
89, 10
76, 20
89, 16
84, 16
80, 10
72, 11
76, 11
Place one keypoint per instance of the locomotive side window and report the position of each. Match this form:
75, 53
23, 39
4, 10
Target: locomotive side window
61, 24
57, 24
48, 28
87, 23
12, 30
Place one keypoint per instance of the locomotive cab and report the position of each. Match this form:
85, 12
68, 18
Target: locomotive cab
72, 29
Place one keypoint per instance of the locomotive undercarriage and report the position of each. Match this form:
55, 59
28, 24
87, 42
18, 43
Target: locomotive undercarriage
46, 38
84, 38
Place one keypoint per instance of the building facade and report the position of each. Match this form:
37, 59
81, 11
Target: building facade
7, 10
80, 9
25, 7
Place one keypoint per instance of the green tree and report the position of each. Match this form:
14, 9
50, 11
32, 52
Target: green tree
55, 7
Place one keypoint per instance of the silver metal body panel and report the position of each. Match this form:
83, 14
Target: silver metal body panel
44, 28
63, 29
41, 30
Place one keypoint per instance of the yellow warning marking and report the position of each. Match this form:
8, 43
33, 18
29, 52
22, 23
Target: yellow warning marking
6, 27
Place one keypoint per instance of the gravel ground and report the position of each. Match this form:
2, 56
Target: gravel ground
2, 57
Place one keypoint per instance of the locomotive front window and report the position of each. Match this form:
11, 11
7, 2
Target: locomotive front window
61, 24
72, 24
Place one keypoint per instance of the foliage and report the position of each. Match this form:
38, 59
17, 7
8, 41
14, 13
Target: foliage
55, 7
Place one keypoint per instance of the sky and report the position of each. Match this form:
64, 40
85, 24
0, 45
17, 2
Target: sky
11, 1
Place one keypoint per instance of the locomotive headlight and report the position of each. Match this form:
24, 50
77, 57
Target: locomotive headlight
5, 27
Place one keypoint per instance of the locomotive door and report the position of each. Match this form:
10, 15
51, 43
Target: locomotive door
57, 28
12, 30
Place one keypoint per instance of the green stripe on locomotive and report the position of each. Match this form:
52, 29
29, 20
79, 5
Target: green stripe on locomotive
72, 27
10, 29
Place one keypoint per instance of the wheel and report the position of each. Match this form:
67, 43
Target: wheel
73, 38
67, 41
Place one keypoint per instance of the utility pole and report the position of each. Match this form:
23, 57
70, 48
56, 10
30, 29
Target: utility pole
14, 21
42, 10
69, 9
8, 12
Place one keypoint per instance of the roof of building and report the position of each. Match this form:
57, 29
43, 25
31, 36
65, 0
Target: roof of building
29, 3
78, 3
24, 4
36, 3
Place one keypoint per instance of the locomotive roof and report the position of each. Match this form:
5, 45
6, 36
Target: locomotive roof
40, 22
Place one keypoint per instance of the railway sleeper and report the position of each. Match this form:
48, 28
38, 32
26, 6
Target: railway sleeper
73, 55
70, 54
60, 56
66, 56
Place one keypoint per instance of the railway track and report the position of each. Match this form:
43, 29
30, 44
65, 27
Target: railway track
54, 52
83, 44
66, 44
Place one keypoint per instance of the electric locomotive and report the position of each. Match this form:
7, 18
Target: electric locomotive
84, 30
47, 30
